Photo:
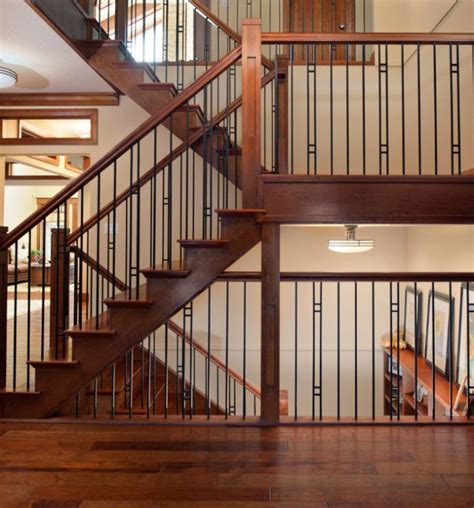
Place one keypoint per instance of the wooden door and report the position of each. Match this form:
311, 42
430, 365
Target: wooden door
319, 16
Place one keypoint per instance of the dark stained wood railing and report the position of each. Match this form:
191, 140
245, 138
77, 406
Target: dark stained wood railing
122, 147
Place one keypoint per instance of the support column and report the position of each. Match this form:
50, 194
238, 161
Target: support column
59, 315
251, 110
270, 354
121, 15
3, 307
282, 114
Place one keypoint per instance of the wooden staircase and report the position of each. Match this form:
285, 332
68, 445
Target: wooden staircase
111, 60
130, 319
131, 386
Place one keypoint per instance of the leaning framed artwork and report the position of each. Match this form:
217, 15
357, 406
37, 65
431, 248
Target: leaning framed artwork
466, 335
439, 328
412, 319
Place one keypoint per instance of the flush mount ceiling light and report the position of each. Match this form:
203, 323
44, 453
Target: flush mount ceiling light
350, 245
8, 77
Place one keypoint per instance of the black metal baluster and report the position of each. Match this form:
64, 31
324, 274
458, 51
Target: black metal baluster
296, 351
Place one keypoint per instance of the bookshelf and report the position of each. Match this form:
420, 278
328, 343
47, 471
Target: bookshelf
445, 394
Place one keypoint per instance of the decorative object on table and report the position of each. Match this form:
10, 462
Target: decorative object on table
23, 254
412, 319
393, 367
466, 321
439, 329
420, 393
397, 339
36, 255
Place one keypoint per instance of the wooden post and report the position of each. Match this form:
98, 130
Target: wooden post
251, 107
59, 311
282, 114
270, 355
88, 6
3, 307
121, 15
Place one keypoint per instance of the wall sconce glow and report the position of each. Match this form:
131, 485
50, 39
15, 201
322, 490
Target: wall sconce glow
350, 245
8, 77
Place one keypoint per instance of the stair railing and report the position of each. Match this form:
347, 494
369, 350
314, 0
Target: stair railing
34, 337
368, 104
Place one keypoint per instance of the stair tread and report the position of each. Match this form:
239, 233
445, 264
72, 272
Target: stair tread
173, 269
240, 212
132, 64
158, 86
209, 244
21, 393
90, 328
52, 363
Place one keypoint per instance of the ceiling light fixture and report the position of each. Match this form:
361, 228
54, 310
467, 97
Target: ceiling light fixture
350, 245
8, 77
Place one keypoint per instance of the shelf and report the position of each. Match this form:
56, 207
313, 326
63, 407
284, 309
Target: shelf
420, 407
425, 377
394, 378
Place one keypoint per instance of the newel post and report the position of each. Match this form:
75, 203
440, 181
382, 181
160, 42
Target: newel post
281, 134
121, 14
3, 306
59, 314
251, 109
270, 331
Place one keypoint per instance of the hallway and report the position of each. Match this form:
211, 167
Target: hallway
114, 465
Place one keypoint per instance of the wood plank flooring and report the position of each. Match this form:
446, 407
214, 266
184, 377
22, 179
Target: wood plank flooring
58, 464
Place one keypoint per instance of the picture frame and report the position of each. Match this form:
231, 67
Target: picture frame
461, 370
412, 326
443, 330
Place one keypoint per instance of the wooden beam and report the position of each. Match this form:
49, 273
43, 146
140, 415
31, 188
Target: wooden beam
3, 307
368, 200
270, 333
251, 105
60, 99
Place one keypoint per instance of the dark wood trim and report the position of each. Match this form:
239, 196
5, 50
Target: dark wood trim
251, 107
11, 177
352, 277
270, 330
233, 374
92, 263
59, 114
124, 145
368, 38
367, 199
60, 99
3, 308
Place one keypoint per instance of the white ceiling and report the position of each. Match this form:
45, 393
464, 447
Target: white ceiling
41, 58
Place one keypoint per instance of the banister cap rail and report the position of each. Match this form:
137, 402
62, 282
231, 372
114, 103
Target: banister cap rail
141, 131
367, 38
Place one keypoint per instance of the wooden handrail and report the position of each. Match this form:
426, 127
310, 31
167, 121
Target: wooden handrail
204, 11
214, 359
163, 163
367, 38
92, 263
122, 147
352, 277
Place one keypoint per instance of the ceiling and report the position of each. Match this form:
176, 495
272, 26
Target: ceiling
43, 61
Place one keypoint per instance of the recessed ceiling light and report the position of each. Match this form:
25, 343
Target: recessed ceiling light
8, 77
350, 245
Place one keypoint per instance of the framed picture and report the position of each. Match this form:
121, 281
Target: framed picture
466, 334
439, 327
412, 319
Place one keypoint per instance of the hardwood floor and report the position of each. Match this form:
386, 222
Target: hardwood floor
114, 465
